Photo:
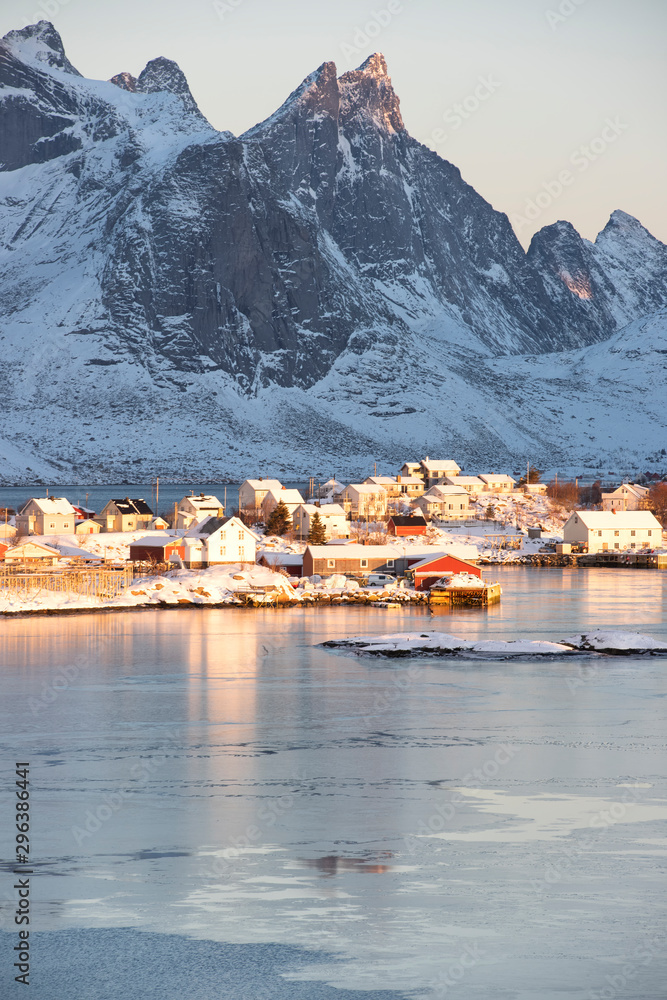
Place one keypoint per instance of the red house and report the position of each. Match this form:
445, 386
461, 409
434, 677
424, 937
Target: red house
429, 570
406, 525
156, 549
3, 548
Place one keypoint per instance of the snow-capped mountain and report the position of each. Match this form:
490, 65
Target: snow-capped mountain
322, 289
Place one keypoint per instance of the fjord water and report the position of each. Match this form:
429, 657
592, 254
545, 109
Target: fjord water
223, 809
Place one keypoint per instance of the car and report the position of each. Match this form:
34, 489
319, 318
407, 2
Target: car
380, 580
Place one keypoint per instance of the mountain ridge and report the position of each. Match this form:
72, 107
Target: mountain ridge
141, 245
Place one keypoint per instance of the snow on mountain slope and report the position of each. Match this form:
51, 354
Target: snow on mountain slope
323, 289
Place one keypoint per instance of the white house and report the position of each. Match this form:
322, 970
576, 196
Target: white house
46, 516
471, 484
218, 540
388, 483
366, 499
498, 484
412, 469
32, 552
291, 499
332, 516
435, 470
253, 491
125, 515
445, 502
193, 509
628, 496
410, 486
605, 531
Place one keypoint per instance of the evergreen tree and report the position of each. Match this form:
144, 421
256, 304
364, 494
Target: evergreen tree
534, 476
279, 522
317, 534
490, 512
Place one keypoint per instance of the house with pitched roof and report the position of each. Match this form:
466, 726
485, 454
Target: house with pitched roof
606, 531
365, 499
291, 498
434, 470
193, 509
125, 515
218, 540
628, 496
332, 516
497, 483
253, 491
46, 516
450, 502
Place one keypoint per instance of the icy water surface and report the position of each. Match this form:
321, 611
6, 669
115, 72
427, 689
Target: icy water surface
221, 809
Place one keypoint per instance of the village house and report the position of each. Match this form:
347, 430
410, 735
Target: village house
412, 470
193, 509
87, 526
351, 560
289, 562
446, 502
366, 499
429, 570
332, 516
498, 484
628, 496
326, 491
388, 483
606, 531
471, 484
32, 553
252, 493
157, 548
413, 524
410, 486
291, 498
46, 516
125, 515
434, 472
216, 541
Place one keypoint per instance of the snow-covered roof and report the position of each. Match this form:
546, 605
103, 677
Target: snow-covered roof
488, 478
634, 488
28, 543
202, 502
447, 464
597, 519
444, 491
436, 555
51, 505
156, 540
287, 496
366, 488
381, 480
329, 510
262, 484
466, 480
410, 480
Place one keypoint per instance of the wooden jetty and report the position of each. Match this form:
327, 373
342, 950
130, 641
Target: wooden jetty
487, 593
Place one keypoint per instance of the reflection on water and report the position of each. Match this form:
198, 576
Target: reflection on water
215, 774
332, 864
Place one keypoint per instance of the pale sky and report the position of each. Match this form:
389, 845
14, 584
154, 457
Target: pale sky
514, 92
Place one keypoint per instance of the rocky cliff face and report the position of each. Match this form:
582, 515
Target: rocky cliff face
134, 234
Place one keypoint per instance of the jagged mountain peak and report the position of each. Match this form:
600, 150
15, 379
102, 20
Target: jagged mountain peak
316, 94
40, 43
368, 90
164, 75
125, 81
623, 228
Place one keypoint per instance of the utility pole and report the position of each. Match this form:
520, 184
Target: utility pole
157, 494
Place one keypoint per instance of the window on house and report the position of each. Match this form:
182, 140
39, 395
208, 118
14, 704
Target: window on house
52, 525
241, 551
240, 536
223, 550
633, 545
223, 535
616, 545
331, 563
633, 532
390, 562
66, 524
649, 532
599, 534
364, 563
615, 533
451, 506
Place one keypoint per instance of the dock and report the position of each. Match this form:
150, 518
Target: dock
488, 593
